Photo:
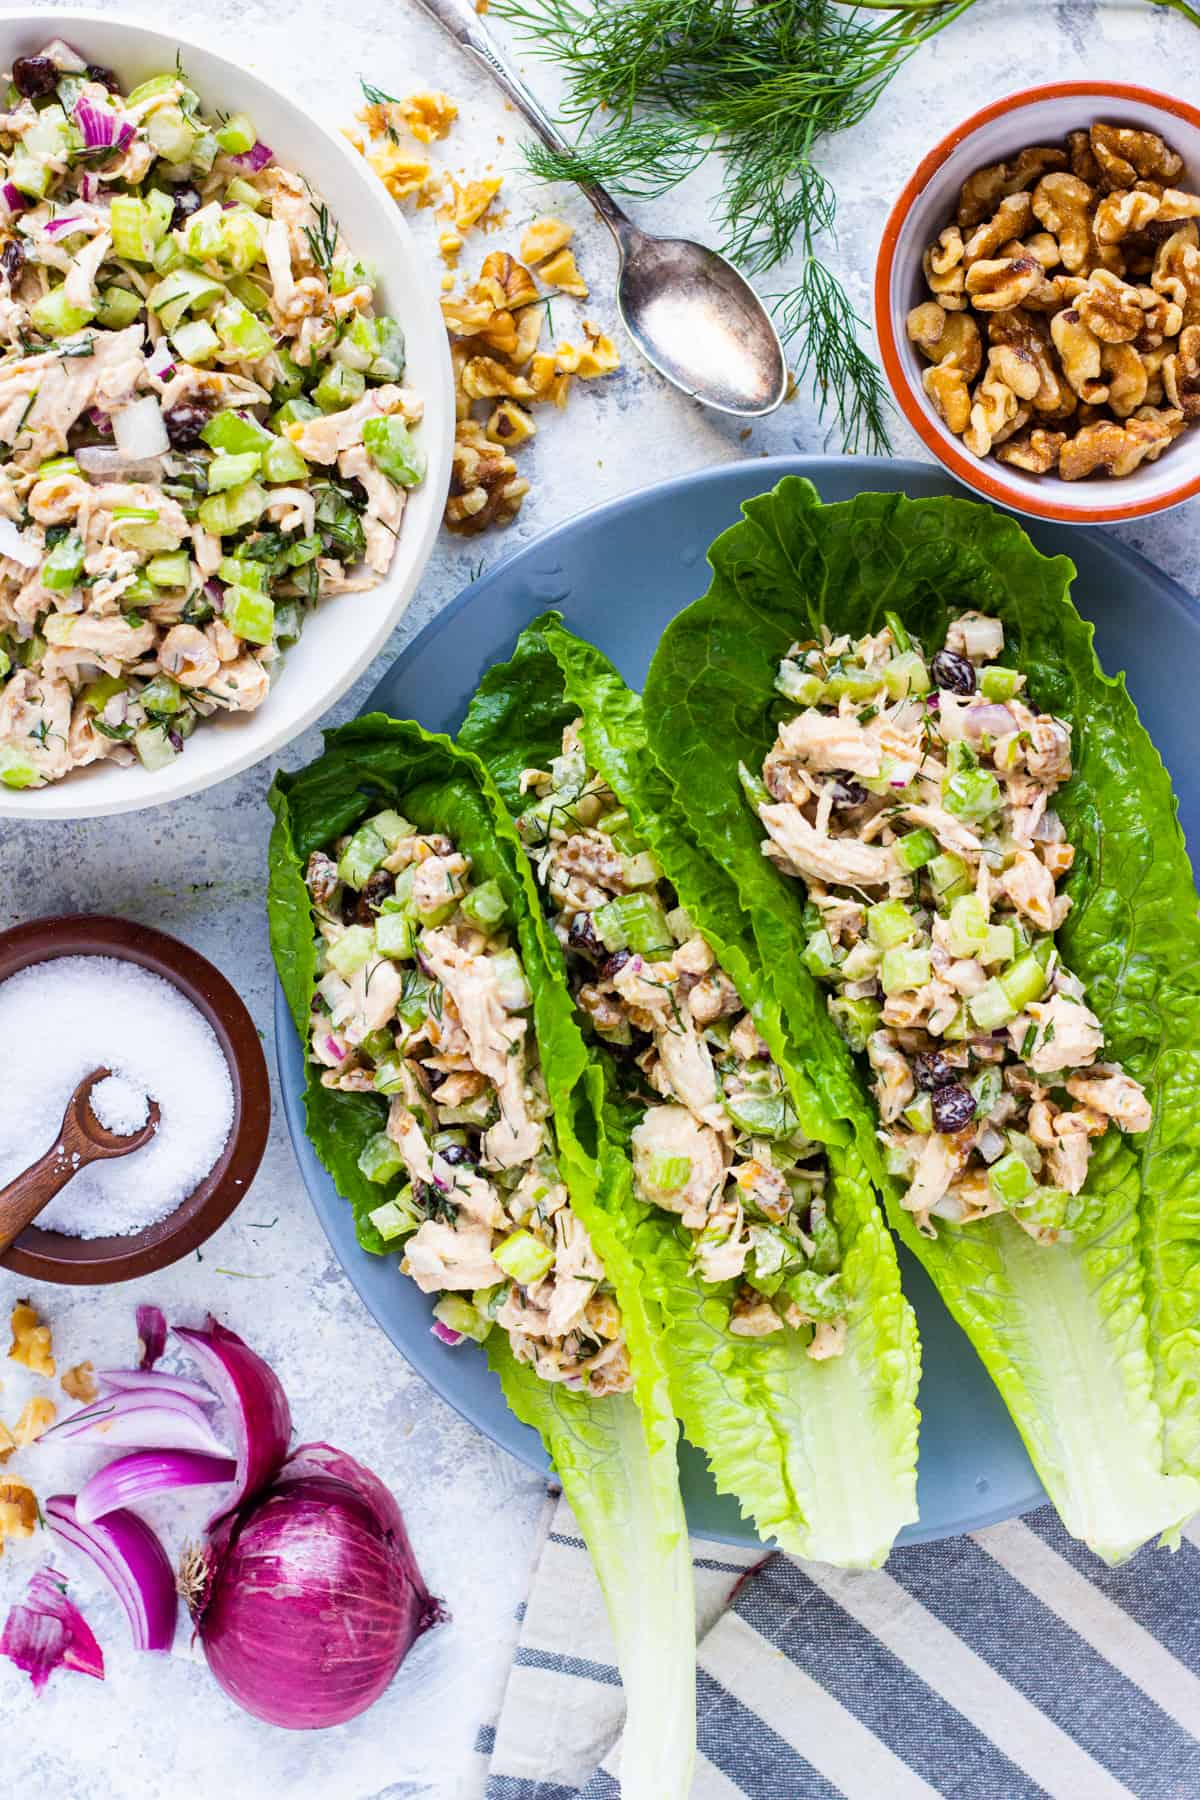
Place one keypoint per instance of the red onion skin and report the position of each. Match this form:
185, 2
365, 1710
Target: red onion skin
315, 1598
152, 1334
45, 1632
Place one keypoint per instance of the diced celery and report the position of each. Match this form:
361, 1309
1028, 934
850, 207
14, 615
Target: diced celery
361, 857
486, 905
183, 290
31, 176
149, 90
763, 1115
51, 135
250, 294
890, 923
633, 922
237, 134
380, 1159
1025, 981
203, 233
819, 956
901, 970
245, 195
350, 274
1000, 945
55, 316
991, 1007
352, 950
968, 926
170, 133
250, 615
5, 662
294, 411
1010, 1180
390, 1075
856, 683
196, 342
116, 307
971, 793
154, 747
641, 871
396, 1218
204, 153
241, 245
906, 674
389, 364
918, 1114
862, 960
243, 573
457, 1314
237, 327
391, 826
166, 255
1050, 1208
360, 345
915, 849
98, 693
512, 989
395, 937
340, 387
855, 1019
948, 876
291, 376
64, 565
282, 461
224, 513
798, 684
16, 770
169, 569
524, 1257
129, 223
998, 683
235, 433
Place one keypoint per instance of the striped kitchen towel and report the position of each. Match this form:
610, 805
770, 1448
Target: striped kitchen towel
1007, 1665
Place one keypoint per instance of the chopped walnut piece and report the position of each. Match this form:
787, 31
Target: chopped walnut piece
529, 334
472, 200
1122, 212
79, 1382
548, 381
1079, 352
515, 282
995, 285
485, 378
983, 191
1176, 273
1083, 160
1124, 154
1118, 449
428, 116
947, 388
560, 271
994, 407
31, 1346
1110, 308
485, 488
18, 1510
510, 425
8, 1443
402, 172
543, 237
1035, 451
1061, 203
1010, 220
37, 1415
1181, 374
944, 271
1126, 376
946, 338
599, 356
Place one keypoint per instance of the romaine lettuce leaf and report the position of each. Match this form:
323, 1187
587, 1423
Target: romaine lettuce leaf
821, 1456
1093, 1345
615, 1455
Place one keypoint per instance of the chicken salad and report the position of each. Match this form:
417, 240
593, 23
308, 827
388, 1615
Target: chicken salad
203, 423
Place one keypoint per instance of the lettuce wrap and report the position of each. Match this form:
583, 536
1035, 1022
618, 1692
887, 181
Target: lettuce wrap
821, 1455
616, 1454
1092, 1342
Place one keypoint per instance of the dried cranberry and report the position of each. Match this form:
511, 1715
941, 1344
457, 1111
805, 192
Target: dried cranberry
34, 76
187, 201
185, 422
12, 261
582, 938
931, 1070
106, 77
616, 961
953, 672
847, 793
455, 1154
372, 895
953, 1107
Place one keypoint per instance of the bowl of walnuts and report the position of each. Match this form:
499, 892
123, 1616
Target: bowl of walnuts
1037, 299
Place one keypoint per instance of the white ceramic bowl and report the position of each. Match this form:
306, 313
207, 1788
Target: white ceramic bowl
343, 633
1040, 115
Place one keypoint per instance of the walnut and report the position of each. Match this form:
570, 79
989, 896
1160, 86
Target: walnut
1061, 203
1010, 220
460, 356
993, 286
1055, 292
946, 338
944, 273
1177, 272
483, 378
947, 389
994, 406
1122, 212
1161, 318
561, 272
472, 200
18, 1510
31, 1340
1124, 153
548, 381
37, 1415
80, 1382
1029, 335
428, 115
1181, 374
1174, 205
983, 191
529, 332
501, 334
1110, 308
1045, 247
510, 425
1036, 451
1016, 369
1118, 449
543, 237
467, 314
1152, 361
485, 488
513, 278
1083, 160
600, 355
1079, 352
8, 1443
1126, 376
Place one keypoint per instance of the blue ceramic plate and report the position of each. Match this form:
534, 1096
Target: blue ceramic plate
619, 574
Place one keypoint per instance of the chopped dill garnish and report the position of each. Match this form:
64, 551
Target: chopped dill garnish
375, 96
322, 239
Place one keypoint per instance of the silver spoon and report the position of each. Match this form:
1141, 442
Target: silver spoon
686, 308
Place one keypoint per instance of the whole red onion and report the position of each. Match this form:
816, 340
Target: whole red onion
312, 1596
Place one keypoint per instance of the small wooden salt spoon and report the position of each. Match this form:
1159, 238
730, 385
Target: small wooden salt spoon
82, 1139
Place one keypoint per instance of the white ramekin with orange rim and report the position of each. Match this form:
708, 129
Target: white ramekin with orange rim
1040, 115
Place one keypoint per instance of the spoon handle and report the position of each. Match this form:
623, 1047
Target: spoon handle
460, 20
25, 1196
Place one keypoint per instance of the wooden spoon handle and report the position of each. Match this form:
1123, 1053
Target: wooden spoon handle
23, 1199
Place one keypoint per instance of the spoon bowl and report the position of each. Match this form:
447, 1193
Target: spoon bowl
700, 323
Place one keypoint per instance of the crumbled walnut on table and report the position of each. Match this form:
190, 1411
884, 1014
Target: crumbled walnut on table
79, 1382
37, 1415
31, 1346
18, 1511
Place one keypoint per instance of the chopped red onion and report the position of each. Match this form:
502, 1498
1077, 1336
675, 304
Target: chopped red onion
139, 430
142, 1420
52, 227
446, 1335
259, 1416
132, 1561
89, 187
64, 56
103, 127
14, 199
146, 1472
99, 420
257, 157
105, 460
45, 1631
152, 1334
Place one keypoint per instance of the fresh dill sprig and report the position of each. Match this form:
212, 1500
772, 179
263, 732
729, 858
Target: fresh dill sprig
762, 86
322, 239
375, 96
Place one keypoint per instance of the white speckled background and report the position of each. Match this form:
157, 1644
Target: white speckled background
157, 1728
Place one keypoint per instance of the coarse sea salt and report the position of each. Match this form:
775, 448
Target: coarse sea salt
59, 1020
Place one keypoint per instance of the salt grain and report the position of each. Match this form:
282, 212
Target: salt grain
60, 1020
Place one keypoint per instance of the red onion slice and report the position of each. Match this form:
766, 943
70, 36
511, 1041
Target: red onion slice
145, 1472
142, 1421
154, 1381
132, 1561
152, 1334
45, 1631
260, 1418
445, 1334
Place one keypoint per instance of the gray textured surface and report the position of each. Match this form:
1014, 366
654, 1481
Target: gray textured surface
155, 1729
